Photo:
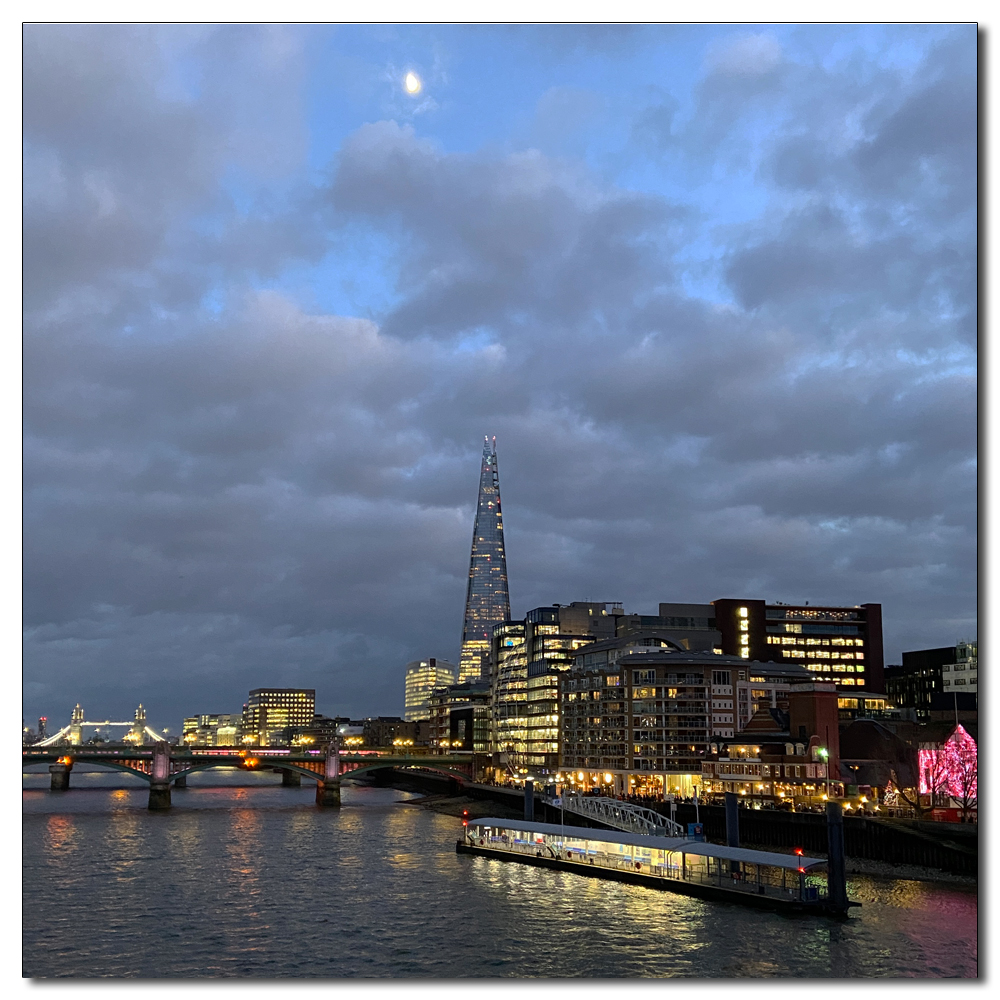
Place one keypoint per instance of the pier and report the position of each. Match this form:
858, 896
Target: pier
687, 866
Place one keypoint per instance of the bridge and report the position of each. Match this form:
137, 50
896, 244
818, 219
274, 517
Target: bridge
620, 815
164, 766
73, 733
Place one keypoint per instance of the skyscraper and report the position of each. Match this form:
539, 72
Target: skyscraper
422, 678
486, 603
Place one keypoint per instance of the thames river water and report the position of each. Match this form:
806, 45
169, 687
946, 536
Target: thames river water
256, 881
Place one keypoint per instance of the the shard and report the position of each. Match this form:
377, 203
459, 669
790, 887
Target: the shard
486, 601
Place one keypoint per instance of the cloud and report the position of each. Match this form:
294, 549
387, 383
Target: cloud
229, 484
745, 55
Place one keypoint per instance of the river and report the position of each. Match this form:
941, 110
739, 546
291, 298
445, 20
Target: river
244, 878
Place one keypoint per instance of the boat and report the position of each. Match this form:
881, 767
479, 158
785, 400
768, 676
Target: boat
692, 867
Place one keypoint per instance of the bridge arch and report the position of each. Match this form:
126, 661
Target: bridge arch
379, 765
209, 765
94, 762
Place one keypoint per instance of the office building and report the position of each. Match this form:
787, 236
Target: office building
423, 677
962, 674
212, 730
388, 731
268, 711
525, 662
926, 673
838, 644
459, 717
486, 602
527, 658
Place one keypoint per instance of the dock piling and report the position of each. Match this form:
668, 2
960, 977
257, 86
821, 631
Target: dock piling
836, 869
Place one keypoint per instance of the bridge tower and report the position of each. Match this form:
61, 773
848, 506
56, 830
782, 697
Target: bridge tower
76, 726
328, 788
137, 734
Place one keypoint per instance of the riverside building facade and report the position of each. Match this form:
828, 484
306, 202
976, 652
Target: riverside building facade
638, 715
526, 660
642, 714
268, 711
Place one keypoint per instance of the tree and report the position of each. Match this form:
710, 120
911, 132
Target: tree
934, 773
962, 757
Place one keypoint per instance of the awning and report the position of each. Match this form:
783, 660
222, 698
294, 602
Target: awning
674, 845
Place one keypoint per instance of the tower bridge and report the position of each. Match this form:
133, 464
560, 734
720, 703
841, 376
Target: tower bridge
138, 731
165, 766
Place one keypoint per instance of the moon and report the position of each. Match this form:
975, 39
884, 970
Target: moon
412, 83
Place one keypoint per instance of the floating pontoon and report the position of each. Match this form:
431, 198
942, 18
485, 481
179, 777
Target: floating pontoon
692, 867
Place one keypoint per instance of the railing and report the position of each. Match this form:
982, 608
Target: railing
621, 815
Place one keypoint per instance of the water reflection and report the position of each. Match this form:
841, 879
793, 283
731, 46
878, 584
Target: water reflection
255, 881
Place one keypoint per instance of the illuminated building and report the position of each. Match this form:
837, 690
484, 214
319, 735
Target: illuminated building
268, 711
639, 717
422, 678
212, 730
782, 755
458, 715
486, 602
509, 693
525, 663
838, 644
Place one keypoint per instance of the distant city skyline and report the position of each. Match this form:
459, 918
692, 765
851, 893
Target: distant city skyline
712, 287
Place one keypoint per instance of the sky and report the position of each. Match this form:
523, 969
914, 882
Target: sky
713, 288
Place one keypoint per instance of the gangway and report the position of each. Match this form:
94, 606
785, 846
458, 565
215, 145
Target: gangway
620, 815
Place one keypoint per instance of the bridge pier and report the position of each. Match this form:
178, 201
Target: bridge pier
328, 787
328, 792
181, 782
159, 785
59, 781
159, 796
290, 779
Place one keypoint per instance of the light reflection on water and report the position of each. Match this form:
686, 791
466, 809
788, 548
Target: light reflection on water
255, 881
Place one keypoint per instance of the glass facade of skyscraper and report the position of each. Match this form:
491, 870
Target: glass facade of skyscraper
422, 677
486, 602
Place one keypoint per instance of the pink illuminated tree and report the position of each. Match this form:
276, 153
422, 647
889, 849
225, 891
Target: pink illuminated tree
952, 769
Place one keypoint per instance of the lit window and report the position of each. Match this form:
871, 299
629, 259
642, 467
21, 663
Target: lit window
744, 640
743, 612
745, 653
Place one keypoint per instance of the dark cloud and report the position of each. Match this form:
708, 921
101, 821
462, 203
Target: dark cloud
226, 487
